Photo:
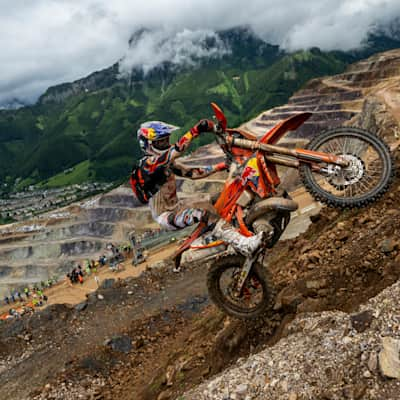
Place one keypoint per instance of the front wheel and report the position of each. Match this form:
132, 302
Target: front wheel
365, 179
221, 282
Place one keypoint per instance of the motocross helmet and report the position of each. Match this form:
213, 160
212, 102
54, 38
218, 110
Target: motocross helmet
153, 137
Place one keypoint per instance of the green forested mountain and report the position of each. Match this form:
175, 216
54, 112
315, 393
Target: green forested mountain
91, 123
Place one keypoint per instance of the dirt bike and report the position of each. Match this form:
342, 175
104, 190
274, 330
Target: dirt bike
343, 167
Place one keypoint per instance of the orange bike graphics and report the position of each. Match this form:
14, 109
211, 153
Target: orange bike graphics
186, 244
226, 203
268, 177
242, 226
207, 246
310, 155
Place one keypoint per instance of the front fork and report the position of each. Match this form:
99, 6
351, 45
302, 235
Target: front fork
248, 263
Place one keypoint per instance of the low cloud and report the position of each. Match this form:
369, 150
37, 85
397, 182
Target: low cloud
186, 47
46, 42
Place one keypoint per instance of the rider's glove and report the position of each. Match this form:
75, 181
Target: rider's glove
204, 125
221, 166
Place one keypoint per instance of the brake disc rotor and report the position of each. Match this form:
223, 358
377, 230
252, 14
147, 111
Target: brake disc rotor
350, 175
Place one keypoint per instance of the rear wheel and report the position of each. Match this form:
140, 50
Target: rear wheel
365, 179
221, 282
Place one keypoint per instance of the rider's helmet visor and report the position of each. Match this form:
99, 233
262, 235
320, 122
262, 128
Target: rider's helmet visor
161, 144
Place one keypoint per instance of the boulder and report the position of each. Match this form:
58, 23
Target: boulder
314, 257
122, 344
316, 284
289, 296
81, 306
360, 322
389, 357
309, 305
388, 245
107, 283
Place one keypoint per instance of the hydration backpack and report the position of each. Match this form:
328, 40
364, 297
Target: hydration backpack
144, 183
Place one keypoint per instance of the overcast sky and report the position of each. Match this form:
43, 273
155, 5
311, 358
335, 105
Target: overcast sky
46, 42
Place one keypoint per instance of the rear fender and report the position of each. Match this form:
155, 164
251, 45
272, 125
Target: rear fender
290, 124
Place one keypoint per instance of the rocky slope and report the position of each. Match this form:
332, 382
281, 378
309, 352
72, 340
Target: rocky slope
344, 342
329, 355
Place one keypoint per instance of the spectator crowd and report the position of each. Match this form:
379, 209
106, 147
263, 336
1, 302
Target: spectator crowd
113, 258
22, 303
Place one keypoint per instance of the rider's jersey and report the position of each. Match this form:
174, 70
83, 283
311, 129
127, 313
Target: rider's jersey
166, 199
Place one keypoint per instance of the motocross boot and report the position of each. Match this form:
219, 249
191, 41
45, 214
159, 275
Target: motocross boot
242, 244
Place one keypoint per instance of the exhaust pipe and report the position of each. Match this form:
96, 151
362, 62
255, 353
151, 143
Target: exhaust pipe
271, 204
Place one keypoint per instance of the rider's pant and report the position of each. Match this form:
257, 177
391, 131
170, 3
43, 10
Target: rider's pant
172, 221
242, 244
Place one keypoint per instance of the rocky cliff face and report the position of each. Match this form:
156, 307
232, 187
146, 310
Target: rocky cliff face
96, 81
334, 355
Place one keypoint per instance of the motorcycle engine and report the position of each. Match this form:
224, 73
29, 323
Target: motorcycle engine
263, 225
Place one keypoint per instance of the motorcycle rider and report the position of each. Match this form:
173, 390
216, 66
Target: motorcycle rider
153, 181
